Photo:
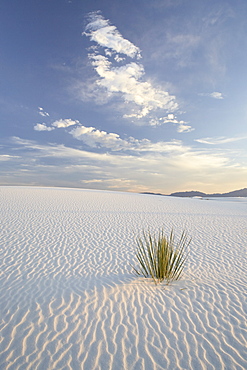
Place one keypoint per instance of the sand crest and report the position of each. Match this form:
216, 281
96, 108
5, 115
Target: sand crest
69, 299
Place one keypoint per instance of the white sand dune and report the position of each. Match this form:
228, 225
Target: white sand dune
69, 299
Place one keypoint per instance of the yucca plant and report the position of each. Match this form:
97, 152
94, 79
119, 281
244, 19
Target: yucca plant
162, 258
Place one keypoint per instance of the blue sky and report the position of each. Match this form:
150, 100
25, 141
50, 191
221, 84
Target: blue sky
131, 96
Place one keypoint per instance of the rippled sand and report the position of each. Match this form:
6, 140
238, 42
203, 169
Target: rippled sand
69, 299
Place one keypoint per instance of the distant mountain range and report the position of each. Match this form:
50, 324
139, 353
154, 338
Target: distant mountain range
235, 193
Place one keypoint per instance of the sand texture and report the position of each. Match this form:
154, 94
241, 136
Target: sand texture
69, 298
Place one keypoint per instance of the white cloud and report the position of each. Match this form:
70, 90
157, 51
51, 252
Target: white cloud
42, 112
64, 123
170, 117
214, 95
93, 138
219, 140
125, 82
61, 123
56, 151
106, 35
42, 127
118, 58
7, 157
182, 126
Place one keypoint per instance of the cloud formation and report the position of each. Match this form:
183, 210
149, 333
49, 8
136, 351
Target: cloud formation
125, 82
42, 127
127, 171
42, 112
220, 140
61, 123
95, 138
214, 95
64, 123
7, 157
106, 35
182, 126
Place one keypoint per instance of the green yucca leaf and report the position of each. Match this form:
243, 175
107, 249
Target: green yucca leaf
159, 258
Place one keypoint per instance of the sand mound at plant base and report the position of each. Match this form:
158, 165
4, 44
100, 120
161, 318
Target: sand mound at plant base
69, 299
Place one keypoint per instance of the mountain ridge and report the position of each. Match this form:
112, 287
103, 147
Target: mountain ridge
193, 193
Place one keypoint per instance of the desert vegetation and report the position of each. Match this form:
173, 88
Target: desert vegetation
161, 258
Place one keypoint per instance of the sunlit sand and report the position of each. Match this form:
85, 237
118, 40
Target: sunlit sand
69, 298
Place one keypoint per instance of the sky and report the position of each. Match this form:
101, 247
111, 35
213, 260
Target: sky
138, 96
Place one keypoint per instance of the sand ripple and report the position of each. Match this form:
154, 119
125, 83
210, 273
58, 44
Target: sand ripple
70, 301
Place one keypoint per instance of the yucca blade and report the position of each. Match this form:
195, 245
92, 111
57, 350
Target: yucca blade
145, 256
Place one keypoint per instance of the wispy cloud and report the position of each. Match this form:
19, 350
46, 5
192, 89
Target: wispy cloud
95, 138
219, 15
181, 46
42, 112
214, 95
182, 126
220, 140
125, 82
7, 157
156, 169
171, 152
